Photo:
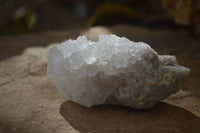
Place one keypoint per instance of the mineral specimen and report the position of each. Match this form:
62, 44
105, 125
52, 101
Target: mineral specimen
113, 70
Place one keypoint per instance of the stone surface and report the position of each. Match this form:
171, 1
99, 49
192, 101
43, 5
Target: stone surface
29, 103
113, 70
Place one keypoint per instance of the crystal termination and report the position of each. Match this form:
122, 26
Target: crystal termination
113, 70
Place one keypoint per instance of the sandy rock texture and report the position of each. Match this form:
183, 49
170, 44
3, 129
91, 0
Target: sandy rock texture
29, 103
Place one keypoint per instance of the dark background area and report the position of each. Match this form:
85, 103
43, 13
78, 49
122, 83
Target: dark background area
29, 22
27, 16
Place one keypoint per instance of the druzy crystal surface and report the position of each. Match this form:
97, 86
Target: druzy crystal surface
113, 70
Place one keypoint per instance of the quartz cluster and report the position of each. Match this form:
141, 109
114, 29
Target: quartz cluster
113, 70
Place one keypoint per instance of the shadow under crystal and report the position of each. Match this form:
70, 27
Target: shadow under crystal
163, 118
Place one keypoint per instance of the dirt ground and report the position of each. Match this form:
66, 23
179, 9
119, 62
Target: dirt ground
29, 103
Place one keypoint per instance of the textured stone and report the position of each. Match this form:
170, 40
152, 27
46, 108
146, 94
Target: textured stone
29, 103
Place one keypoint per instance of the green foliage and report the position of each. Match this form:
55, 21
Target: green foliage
19, 25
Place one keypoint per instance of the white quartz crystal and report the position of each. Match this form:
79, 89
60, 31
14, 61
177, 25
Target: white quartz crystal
113, 70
